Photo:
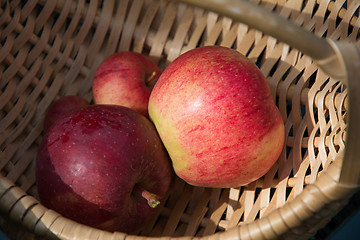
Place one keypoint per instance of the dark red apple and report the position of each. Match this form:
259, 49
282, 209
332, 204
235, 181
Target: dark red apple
125, 78
62, 106
103, 166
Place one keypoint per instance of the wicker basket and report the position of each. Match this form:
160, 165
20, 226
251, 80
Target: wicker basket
306, 49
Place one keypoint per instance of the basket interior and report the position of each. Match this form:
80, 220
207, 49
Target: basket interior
50, 49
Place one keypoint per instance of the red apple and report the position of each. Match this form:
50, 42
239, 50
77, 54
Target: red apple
216, 117
62, 106
125, 78
103, 166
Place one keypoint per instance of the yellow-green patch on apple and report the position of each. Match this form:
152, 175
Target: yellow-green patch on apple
173, 146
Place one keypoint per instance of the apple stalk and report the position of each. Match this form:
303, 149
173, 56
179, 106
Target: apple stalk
152, 199
151, 80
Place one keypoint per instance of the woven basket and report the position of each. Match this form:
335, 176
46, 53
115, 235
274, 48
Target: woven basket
307, 50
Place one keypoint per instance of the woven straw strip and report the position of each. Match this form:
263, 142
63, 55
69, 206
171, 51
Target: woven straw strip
180, 34
129, 26
197, 216
143, 29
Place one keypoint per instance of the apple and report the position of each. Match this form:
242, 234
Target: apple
125, 78
214, 112
103, 166
62, 106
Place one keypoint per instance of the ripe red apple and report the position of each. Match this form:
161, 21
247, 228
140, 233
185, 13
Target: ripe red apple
62, 106
104, 166
215, 115
125, 78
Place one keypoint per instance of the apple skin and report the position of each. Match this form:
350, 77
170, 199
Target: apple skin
125, 78
93, 163
62, 106
214, 112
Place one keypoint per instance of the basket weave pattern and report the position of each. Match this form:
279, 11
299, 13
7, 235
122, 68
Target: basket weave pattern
50, 49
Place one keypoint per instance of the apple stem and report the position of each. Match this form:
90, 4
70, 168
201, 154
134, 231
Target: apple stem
153, 74
152, 199
149, 80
